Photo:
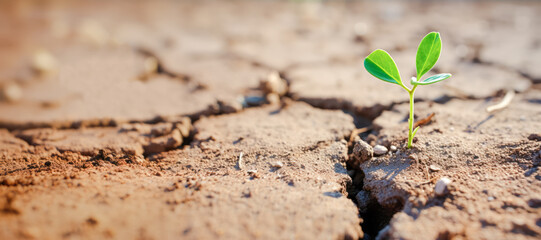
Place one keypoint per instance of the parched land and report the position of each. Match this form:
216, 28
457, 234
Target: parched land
257, 120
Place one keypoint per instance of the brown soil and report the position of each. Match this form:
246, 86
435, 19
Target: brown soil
255, 120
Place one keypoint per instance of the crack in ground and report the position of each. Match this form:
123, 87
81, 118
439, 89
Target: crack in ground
160, 68
375, 217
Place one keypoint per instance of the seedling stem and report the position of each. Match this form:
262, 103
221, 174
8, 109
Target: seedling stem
411, 132
410, 120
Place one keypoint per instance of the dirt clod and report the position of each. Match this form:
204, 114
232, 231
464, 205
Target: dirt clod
534, 137
362, 152
164, 143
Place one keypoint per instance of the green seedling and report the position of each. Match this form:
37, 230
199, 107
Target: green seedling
380, 64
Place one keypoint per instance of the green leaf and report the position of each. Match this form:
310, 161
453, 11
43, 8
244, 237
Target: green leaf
414, 132
428, 53
380, 64
432, 79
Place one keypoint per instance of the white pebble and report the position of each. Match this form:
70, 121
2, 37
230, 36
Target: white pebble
393, 148
43, 62
380, 150
11, 92
434, 168
277, 164
274, 84
442, 186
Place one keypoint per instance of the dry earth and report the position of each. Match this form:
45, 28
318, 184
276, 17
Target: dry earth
246, 120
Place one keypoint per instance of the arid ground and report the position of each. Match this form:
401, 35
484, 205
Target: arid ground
257, 120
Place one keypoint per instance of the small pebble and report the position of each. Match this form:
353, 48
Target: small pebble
393, 148
434, 168
274, 84
11, 92
277, 164
490, 198
250, 101
441, 187
230, 106
44, 63
380, 150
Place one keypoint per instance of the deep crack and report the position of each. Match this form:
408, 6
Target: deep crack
375, 217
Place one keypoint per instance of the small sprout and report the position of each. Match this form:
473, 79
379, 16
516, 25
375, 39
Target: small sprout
380, 64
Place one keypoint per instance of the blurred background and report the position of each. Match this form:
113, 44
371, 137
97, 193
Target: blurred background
105, 62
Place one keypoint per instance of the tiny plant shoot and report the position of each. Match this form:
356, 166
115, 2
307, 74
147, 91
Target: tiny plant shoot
380, 64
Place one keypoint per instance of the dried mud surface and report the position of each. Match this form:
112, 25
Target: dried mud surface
238, 120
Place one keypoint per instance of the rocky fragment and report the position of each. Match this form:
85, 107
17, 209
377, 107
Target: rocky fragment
164, 143
362, 151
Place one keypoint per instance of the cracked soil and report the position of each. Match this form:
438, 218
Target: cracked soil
240, 119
